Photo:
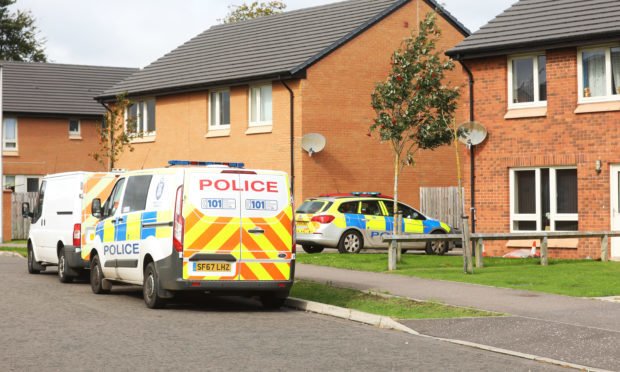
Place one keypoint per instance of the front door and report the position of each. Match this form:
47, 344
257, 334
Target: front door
615, 210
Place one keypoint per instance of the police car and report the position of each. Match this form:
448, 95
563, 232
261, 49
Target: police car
352, 222
195, 226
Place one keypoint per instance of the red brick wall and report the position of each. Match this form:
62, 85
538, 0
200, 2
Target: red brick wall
562, 138
44, 147
336, 104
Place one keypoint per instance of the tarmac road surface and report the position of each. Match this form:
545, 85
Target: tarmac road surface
48, 325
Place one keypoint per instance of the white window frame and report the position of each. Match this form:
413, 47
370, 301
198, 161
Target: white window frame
553, 215
608, 97
79, 131
4, 140
142, 107
537, 102
259, 123
218, 107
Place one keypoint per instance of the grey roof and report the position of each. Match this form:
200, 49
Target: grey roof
280, 45
56, 89
535, 24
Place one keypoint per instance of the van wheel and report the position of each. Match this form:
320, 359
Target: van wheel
63, 268
31, 264
437, 247
351, 242
96, 276
272, 301
312, 249
150, 288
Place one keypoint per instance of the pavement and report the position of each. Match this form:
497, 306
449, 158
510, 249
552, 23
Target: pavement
580, 331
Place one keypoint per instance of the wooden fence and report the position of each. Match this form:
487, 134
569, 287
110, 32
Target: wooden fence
19, 225
442, 203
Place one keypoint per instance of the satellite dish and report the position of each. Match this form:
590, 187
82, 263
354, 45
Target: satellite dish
312, 142
472, 133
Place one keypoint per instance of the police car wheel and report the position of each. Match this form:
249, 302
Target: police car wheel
96, 276
436, 248
31, 264
312, 249
150, 288
63, 276
351, 242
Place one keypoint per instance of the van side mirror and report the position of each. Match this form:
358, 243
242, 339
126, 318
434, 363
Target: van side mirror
95, 208
26, 210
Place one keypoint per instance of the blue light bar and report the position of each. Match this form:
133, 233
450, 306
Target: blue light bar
366, 193
205, 163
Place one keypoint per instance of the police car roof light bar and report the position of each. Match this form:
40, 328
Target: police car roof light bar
366, 193
204, 163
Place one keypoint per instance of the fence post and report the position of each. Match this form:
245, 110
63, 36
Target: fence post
479, 262
544, 261
604, 248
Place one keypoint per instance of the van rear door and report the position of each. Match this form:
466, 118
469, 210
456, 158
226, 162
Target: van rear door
212, 238
266, 226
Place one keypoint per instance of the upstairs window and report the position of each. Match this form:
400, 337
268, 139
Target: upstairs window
260, 105
527, 81
144, 114
219, 109
599, 74
74, 127
9, 134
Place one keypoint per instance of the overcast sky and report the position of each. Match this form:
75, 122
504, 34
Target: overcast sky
134, 33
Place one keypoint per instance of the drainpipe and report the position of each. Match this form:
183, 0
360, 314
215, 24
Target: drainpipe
471, 148
292, 139
111, 136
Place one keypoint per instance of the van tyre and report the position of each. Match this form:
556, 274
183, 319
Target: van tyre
32, 265
351, 242
437, 247
312, 249
272, 301
63, 268
150, 288
96, 277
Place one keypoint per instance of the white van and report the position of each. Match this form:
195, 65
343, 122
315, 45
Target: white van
59, 219
210, 227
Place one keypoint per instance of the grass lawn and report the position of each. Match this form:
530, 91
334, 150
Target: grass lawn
581, 278
16, 241
392, 307
22, 251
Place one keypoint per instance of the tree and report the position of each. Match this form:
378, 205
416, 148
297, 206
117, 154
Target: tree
116, 132
18, 36
254, 10
413, 107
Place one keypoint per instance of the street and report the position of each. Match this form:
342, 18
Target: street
46, 324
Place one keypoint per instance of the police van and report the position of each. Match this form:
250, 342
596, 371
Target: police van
195, 226
60, 219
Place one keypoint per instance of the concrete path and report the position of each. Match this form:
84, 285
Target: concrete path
576, 330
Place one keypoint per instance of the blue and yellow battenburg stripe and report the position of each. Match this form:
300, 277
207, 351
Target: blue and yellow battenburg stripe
131, 228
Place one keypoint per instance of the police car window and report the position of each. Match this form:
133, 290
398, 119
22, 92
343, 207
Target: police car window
348, 207
136, 193
111, 204
38, 209
327, 206
408, 212
310, 206
370, 207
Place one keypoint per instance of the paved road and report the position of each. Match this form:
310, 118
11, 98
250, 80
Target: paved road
576, 330
45, 324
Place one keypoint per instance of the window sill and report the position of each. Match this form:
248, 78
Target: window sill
526, 113
10, 153
212, 133
75, 137
145, 139
597, 107
259, 129
552, 243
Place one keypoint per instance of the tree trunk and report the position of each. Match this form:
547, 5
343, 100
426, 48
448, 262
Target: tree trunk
392, 247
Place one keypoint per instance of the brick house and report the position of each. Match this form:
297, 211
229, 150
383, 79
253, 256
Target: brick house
547, 87
50, 118
234, 92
